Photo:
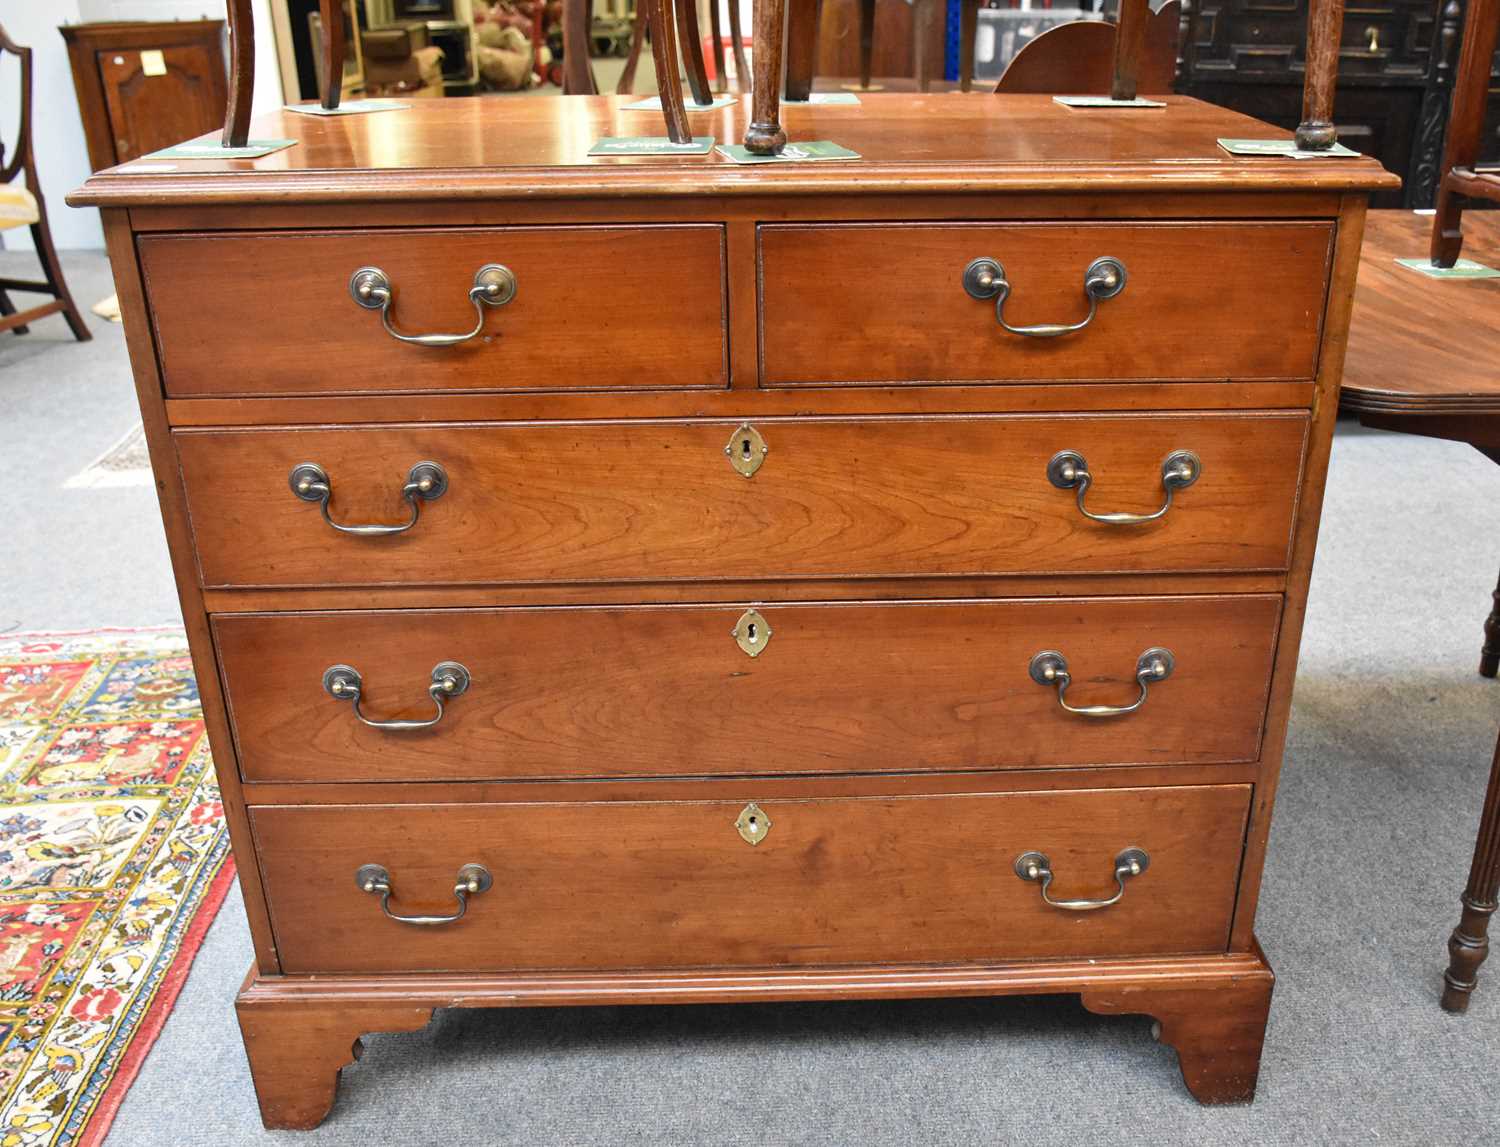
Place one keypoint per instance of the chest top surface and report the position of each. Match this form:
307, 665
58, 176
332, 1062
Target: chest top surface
489, 148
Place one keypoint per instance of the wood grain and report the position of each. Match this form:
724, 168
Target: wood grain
298, 331
642, 691
1224, 986
127, 276
1216, 1028
909, 144
1418, 345
660, 501
900, 288
672, 885
297, 1049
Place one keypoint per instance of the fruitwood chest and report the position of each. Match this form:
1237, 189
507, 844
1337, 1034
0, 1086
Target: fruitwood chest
650, 581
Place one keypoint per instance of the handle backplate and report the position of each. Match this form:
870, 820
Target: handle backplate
1034, 867
1104, 278
494, 286
425, 482
472, 879
1068, 470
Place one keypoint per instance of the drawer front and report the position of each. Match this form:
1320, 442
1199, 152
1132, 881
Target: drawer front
594, 308
834, 498
617, 885
885, 303
666, 690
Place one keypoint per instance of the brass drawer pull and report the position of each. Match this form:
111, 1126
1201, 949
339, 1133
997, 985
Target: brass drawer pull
472, 880
1050, 667
1068, 471
1104, 279
494, 286
1034, 866
449, 680
425, 482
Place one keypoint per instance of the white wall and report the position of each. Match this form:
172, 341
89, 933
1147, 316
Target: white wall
56, 127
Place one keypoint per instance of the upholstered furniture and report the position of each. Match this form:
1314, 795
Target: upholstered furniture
401, 59
22, 205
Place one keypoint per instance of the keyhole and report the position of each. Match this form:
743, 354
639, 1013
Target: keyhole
754, 827
754, 637
745, 447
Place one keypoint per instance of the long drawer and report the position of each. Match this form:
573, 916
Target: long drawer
887, 303
593, 308
662, 501
669, 691
676, 884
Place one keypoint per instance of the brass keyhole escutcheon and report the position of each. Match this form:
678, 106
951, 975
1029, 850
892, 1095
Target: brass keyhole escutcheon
752, 824
746, 450
752, 633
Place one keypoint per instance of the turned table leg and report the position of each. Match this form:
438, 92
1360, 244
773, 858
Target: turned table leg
296, 1050
1489, 655
1217, 1031
1469, 944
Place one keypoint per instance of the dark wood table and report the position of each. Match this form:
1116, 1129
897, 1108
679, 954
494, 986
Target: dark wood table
1424, 358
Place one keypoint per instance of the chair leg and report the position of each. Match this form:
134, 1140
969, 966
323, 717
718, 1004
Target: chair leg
637, 38
1469, 944
716, 34
9, 308
1489, 655
41, 235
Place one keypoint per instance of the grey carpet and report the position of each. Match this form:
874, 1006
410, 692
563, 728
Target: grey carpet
1391, 738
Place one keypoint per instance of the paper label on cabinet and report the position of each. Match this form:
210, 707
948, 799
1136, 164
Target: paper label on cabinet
153, 63
350, 107
1106, 102
651, 145
1463, 269
653, 104
212, 149
803, 151
1283, 149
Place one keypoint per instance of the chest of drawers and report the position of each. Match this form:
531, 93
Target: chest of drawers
810, 582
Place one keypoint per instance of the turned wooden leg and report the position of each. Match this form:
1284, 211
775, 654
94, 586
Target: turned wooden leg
297, 1049
1216, 1029
1489, 655
1469, 944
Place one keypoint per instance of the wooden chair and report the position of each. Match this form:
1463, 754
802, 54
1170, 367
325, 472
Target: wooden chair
736, 41
1419, 362
804, 22
1325, 21
1459, 179
21, 205
1078, 58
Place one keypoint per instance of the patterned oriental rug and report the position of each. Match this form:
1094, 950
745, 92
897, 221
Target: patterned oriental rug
114, 860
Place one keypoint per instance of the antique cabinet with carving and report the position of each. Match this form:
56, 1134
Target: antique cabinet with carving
893, 589
144, 85
1396, 70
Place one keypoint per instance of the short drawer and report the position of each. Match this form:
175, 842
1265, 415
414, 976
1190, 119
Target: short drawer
670, 690
674, 884
886, 303
660, 501
594, 308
